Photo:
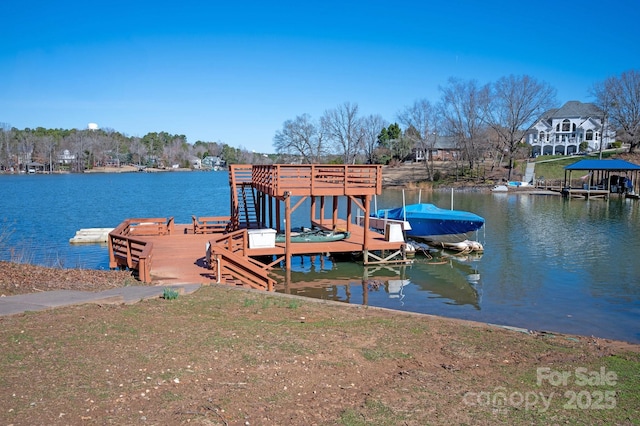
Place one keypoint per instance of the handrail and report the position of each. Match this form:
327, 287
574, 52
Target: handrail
210, 224
235, 241
229, 251
238, 267
150, 226
127, 251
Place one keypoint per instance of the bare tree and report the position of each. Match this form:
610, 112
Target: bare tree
344, 129
5, 146
50, 149
513, 104
138, 150
300, 137
421, 118
78, 145
25, 144
371, 127
461, 106
619, 97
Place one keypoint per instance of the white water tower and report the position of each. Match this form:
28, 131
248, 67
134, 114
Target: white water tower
92, 126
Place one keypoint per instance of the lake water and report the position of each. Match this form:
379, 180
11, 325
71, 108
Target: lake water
549, 264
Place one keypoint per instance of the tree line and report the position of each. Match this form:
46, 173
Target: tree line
78, 150
488, 120
482, 121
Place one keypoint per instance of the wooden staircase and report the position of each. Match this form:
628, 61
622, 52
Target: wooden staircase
244, 210
227, 256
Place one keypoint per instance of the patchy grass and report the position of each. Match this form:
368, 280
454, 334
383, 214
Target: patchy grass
226, 356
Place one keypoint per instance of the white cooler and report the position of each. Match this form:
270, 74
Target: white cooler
262, 238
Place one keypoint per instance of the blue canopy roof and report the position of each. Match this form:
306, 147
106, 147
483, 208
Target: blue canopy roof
612, 165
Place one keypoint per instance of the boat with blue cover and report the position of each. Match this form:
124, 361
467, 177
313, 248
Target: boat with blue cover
429, 222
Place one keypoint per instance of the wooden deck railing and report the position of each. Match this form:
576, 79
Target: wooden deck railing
316, 179
127, 251
210, 224
150, 226
227, 255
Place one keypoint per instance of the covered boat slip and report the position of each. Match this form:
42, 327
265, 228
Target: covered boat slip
241, 248
602, 178
279, 190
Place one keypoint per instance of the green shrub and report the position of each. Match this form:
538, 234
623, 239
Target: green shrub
170, 294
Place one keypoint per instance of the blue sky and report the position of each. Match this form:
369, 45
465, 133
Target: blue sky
234, 73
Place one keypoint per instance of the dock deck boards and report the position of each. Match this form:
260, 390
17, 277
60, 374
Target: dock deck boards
179, 258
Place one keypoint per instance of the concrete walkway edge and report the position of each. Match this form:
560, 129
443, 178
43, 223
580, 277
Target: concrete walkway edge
11, 305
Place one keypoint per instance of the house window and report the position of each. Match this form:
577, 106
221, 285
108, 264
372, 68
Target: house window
541, 137
566, 125
589, 136
574, 127
558, 127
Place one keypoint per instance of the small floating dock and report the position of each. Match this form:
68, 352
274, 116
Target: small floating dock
91, 236
241, 248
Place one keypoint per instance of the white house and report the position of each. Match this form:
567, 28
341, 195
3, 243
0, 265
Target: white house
66, 157
562, 131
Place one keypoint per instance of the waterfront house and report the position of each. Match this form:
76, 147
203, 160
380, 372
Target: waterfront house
575, 127
439, 148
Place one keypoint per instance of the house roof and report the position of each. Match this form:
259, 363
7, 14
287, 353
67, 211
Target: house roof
573, 109
577, 109
611, 165
445, 142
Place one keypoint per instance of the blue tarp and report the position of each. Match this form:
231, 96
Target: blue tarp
429, 220
611, 165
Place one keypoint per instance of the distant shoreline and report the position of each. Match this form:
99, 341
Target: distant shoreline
135, 169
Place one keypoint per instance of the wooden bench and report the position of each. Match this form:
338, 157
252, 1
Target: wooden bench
151, 226
210, 225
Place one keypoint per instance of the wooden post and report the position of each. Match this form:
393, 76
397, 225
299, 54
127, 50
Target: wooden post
263, 208
349, 214
365, 243
112, 258
334, 219
278, 217
287, 281
287, 231
365, 292
270, 211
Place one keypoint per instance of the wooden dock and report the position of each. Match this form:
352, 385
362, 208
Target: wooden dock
218, 249
585, 193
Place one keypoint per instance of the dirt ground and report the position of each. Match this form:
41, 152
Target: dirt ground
20, 278
225, 356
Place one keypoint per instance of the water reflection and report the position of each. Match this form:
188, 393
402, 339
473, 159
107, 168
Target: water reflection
450, 279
